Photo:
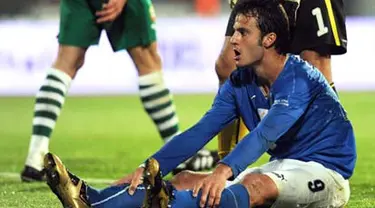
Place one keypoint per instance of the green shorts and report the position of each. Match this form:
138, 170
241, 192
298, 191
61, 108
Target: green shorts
135, 26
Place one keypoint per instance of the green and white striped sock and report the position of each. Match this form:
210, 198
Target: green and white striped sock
49, 101
158, 103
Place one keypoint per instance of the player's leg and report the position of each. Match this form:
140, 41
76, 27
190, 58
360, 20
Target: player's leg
281, 184
75, 193
235, 196
77, 32
320, 61
319, 33
135, 31
155, 96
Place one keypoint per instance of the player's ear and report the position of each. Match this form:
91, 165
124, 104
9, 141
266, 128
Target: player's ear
269, 40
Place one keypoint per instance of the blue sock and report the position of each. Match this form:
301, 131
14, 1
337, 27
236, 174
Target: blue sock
235, 196
115, 196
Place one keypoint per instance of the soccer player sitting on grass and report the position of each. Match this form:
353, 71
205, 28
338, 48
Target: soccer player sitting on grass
296, 117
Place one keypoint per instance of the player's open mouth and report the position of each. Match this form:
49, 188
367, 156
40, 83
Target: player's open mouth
236, 55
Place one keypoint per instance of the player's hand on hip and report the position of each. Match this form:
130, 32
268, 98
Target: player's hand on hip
110, 11
212, 186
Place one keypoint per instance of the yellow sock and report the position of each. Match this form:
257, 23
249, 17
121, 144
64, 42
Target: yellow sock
230, 136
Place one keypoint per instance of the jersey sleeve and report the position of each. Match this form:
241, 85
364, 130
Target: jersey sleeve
186, 144
289, 105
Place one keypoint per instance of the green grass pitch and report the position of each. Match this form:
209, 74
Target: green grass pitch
107, 137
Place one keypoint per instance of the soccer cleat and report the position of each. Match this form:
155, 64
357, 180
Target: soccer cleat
157, 192
70, 190
203, 160
30, 174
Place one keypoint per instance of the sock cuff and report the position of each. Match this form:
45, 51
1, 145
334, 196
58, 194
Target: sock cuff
64, 77
240, 195
151, 78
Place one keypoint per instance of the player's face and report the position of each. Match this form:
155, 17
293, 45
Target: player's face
246, 41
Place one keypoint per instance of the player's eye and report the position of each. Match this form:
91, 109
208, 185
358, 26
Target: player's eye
242, 31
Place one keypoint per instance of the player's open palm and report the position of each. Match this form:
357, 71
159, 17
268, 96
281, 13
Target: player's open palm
134, 179
211, 188
110, 11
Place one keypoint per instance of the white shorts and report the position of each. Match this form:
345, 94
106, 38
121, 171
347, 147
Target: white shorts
303, 184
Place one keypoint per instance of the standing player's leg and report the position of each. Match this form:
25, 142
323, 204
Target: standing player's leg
77, 32
138, 37
134, 30
320, 32
155, 96
224, 66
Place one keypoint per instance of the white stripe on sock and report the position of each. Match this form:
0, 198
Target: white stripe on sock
42, 121
163, 112
152, 90
114, 195
51, 95
47, 107
153, 103
168, 124
167, 139
152, 78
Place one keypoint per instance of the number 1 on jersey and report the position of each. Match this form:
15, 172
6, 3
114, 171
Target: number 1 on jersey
322, 29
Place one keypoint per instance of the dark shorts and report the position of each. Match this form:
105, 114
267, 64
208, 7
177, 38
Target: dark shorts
319, 26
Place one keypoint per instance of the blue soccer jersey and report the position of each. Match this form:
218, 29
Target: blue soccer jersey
301, 119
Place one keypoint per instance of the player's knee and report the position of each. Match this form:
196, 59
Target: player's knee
182, 180
70, 59
262, 190
186, 179
146, 58
154, 53
223, 68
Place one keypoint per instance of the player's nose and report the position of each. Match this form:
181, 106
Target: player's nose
234, 38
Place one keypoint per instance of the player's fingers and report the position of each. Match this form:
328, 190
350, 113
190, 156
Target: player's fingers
218, 197
135, 182
105, 12
196, 189
108, 18
211, 196
205, 192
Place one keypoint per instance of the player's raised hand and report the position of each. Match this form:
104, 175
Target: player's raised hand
212, 186
134, 179
110, 11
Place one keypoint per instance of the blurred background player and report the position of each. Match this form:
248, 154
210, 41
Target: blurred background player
318, 31
130, 25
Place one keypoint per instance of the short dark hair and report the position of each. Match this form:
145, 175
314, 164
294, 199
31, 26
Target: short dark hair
271, 17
